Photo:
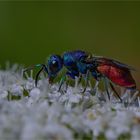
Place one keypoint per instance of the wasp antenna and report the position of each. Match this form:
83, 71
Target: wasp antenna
24, 72
32, 67
31, 74
26, 75
27, 69
45, 68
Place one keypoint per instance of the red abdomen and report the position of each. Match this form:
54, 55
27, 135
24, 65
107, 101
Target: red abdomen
119, 76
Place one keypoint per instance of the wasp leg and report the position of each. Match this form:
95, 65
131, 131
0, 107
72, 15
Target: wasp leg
63, 79
43, 67
112, 87
68, 74
134, 97
37, 75
80, 78
96, 86
97, 77
86, 81
106, 87
67, 85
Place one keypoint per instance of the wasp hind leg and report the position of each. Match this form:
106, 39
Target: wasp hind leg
96, 87
134, 97
106, 87
80, 79
112, 87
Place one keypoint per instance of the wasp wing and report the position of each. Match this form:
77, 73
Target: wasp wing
117, 75
99, 60
114, 70
124, 65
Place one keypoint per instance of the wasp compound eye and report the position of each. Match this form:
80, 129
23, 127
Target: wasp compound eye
55, 63
54, 66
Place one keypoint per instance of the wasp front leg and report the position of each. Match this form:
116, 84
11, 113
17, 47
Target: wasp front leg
65, 78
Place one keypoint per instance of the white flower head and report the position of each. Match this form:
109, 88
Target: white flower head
31, 131
3, 94
136, 132
45, 113
35, 94
16, 90
55, 131
29, 84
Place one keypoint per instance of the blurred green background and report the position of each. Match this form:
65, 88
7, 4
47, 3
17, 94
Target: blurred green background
30, 31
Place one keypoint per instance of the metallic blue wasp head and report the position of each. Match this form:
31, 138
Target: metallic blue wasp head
54, 65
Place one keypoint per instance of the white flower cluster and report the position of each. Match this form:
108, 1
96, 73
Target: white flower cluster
43, 113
